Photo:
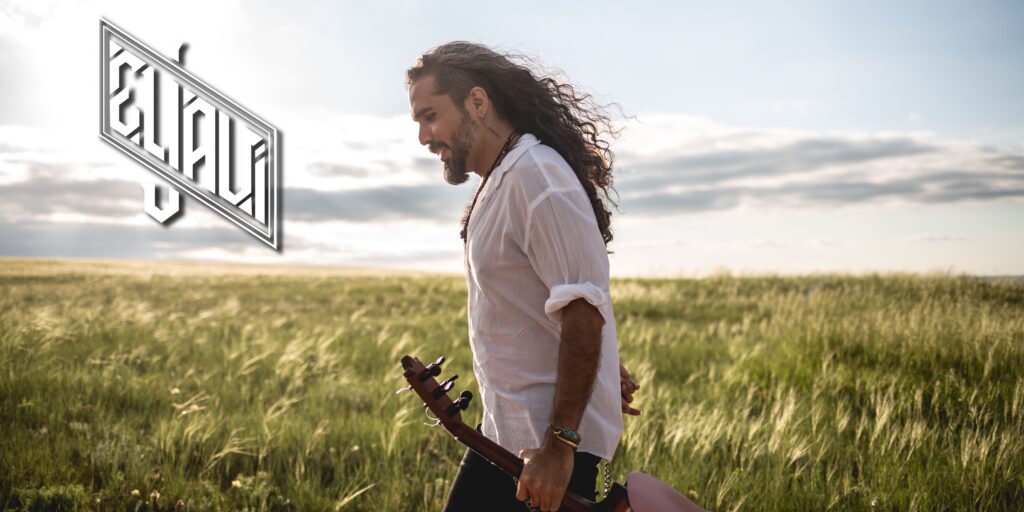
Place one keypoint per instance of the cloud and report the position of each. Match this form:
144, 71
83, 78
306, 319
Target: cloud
667, 165
833, 193
356, 254
768, 243
331, 170
20, 12
698, 166
822, 242
52, 188
95, 240
810, 155
373, 202
1009, 162
934, 237
440, 203
45, 194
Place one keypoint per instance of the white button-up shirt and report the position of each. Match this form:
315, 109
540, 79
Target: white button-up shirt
533, 247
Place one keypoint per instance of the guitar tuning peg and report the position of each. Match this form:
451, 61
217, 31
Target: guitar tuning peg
460, 404
445, 386
432, 369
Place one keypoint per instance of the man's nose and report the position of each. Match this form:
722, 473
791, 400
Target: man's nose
425, 136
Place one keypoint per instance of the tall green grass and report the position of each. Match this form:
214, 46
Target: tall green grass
149, 387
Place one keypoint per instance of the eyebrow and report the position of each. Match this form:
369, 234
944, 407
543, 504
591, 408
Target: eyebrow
419, 113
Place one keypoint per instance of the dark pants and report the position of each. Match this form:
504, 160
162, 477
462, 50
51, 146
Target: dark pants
480, 485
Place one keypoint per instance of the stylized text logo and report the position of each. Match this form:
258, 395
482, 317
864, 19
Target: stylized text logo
196, 138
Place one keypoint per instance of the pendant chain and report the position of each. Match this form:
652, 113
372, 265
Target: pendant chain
509, 143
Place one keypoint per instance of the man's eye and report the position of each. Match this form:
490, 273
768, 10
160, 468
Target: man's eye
431, 116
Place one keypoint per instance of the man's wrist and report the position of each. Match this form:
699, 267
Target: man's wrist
564, 436
552, 444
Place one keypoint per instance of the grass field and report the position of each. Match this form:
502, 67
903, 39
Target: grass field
132, 386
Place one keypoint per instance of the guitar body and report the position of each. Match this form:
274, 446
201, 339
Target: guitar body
642, 492
648, 494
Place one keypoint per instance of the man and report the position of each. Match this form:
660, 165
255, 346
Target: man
541, 324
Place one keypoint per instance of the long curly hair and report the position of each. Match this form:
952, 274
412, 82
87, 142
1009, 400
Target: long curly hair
564, 118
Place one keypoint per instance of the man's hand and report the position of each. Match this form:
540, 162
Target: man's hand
545, 475
628, 386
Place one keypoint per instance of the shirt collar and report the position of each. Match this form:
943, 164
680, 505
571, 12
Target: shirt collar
525, 142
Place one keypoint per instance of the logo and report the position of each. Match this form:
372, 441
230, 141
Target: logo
189, 134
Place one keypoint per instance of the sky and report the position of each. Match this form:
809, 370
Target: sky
794, 138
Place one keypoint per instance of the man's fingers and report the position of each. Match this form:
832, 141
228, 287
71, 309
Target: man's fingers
556, 501
627, 409
627, 387
523, 487
545, 499
626, 378
521, 493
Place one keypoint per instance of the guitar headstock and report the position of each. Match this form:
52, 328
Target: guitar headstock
421, 379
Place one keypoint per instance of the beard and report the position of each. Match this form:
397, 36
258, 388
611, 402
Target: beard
455, 172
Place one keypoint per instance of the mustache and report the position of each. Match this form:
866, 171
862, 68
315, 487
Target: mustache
434, 146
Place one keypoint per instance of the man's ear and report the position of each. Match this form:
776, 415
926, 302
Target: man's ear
477, 102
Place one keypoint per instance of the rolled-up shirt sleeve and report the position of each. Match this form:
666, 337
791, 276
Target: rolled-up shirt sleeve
565, 248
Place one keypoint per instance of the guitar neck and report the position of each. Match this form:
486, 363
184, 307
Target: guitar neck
488, 449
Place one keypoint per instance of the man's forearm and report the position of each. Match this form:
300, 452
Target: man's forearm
579, 356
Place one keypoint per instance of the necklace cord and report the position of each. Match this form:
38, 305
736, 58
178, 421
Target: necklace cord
509, 143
